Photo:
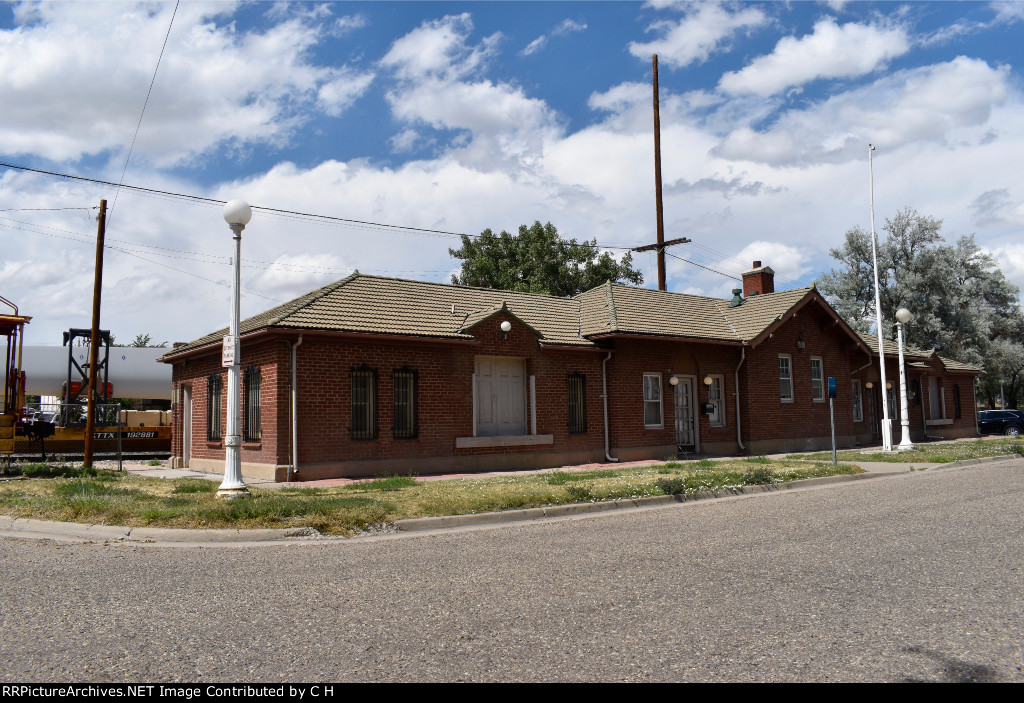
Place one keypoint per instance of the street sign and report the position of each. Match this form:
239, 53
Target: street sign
831, 386
228, 354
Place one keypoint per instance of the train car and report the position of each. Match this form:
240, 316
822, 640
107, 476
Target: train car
61, 373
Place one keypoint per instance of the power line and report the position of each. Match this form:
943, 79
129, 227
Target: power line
706, 268
141, 114
404, 229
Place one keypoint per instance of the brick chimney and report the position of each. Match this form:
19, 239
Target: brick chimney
758, 280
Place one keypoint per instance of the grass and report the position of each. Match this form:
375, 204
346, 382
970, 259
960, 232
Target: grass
943, 453
119, 498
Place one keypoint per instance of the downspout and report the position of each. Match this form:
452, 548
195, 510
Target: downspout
295, 414
736, 383
604, 399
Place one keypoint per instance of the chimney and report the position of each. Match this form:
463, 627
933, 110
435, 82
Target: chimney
758, 280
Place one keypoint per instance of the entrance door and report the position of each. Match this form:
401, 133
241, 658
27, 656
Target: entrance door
500, 397
686, 432
186, 423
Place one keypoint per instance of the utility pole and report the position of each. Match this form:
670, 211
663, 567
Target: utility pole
661, 244
97, 287
657, 182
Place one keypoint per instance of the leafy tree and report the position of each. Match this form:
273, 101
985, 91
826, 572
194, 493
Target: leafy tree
537, 260
961, 302
141, 340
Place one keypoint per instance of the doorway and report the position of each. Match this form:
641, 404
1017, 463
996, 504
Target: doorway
186, 423
686, 426
500, 396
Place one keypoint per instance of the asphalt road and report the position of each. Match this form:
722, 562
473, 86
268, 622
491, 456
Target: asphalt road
916, 576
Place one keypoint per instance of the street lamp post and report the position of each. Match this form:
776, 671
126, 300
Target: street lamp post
237, 214
903, 316
886, 422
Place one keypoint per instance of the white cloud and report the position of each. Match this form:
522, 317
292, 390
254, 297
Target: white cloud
494, 121
830, 51
439, 49
566, 26
916, 105
697, 35
97, 60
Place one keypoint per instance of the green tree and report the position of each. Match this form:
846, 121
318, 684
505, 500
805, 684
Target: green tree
961, 302
537, 260
141, 340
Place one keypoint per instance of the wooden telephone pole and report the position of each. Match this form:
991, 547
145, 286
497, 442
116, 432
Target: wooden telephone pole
661, 244
94, 380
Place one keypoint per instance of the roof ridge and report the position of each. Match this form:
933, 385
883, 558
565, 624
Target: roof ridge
613, 316
725, 317
465, 287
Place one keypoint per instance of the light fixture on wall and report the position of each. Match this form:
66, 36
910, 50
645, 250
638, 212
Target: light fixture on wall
674, 381
506, 327
708, 380
869, 385
888, 385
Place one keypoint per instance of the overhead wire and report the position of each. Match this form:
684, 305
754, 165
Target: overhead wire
138, 126
280, 212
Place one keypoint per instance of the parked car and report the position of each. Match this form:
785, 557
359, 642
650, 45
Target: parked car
1007, 422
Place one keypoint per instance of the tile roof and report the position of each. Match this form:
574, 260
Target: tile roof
379, 305
892, 350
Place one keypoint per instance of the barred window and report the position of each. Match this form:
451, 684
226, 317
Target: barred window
406, 424
364, 403
577, 403
214, 386
251, 383
956, 402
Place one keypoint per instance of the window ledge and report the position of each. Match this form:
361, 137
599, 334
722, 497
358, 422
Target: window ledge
504, 441
929, 423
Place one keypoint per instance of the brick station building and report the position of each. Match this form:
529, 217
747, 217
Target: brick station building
370, 375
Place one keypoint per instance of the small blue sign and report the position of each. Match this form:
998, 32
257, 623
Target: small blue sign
831, 386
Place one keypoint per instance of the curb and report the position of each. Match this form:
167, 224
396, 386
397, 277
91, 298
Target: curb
91, 534
507, 516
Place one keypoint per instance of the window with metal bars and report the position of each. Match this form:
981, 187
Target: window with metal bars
364, 403
214, 386
406, 421
577, 403
251, 393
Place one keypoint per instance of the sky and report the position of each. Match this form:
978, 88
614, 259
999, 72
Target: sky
462, 116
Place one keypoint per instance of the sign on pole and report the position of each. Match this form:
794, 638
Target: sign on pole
227, 357
832, 413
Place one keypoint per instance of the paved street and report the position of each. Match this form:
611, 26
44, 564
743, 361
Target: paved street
915, 576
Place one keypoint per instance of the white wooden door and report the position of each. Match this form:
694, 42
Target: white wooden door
500, 397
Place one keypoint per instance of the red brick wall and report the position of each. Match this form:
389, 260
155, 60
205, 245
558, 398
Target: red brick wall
765, 416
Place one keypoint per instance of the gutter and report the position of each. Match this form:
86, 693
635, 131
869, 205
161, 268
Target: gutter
294, 469
604, 399
736, 383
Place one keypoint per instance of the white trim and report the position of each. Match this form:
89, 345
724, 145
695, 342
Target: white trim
533, 405
720, 405
821, 379
792, 394
504, 441
661, 401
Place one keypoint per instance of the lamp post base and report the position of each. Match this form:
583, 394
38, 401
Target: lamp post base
232, 493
